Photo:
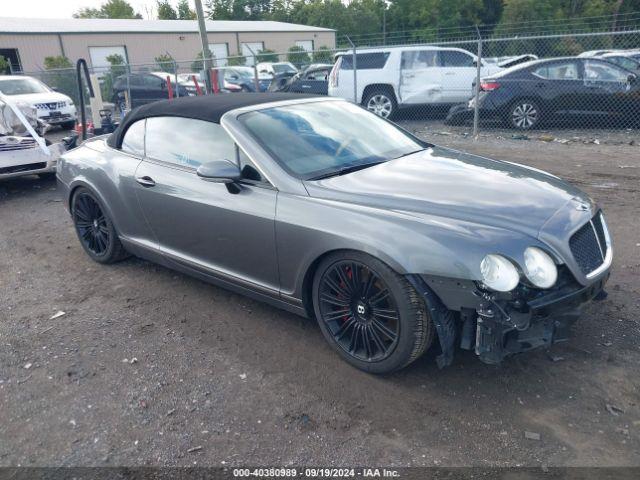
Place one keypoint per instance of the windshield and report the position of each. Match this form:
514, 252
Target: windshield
312, 140
22, 86
284, 68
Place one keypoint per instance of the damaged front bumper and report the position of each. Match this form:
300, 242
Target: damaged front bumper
497, 325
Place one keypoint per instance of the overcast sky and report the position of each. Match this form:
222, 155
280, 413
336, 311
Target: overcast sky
66, 8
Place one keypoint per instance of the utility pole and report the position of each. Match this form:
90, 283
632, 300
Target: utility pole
384, 24
206, 54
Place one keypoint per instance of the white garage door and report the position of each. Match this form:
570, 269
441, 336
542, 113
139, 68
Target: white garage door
249, 47
220, 53
306, 44
99, 56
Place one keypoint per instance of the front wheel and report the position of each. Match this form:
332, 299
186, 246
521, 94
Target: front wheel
524, 114
95, 229
369, 314
68, 125
381, 102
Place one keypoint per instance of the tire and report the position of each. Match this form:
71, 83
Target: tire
524, 114
382, 102
68, 125
95, 229
369, 314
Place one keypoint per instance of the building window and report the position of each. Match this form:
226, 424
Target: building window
306, 44
220, 52
11, 55
99, 56
248, 48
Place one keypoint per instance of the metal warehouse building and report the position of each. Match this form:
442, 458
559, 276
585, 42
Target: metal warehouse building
25, 42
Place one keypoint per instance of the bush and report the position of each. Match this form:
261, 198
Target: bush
237, 61
61, 75
323, 55
166, 63
298, 56
5, 66
118, 67
267, 55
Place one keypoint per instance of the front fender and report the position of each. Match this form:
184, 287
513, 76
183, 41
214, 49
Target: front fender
409, 243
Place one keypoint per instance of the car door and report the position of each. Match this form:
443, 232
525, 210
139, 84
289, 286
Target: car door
608, 90
201, 225
155, 88
458, 71
559, 86
312, 82
123, 162
420, 77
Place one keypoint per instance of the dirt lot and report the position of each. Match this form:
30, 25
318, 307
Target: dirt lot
252, 385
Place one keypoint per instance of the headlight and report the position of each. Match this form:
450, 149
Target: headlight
539, 268
498, 273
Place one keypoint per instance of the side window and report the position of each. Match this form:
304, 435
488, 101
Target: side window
417, 59
133, 140
603, 72
453, 58
247, 168
187, 142
365, 61
153, 81
558, 71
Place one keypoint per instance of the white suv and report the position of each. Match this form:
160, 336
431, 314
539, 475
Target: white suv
52, 107
393, 77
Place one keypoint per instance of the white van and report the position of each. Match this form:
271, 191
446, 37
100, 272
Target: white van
394, 77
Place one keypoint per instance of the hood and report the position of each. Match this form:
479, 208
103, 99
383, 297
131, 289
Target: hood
447, 183
33, 98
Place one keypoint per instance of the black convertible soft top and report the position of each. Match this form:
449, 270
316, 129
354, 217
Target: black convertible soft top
208, 107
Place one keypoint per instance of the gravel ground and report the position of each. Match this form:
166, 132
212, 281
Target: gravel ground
150, 367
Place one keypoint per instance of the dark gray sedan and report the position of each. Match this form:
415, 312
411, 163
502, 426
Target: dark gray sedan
326, 210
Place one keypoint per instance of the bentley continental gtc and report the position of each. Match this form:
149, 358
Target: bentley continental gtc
322, 208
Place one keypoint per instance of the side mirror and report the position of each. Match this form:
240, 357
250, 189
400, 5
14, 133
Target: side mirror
222, 171
55, 89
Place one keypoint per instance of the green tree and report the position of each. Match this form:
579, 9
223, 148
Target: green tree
166, 11
184, 11
117, 68
267, 55
323, 55
110, 9
61, 75
237, 61
60, 61
298, 56
166, 63
5, 66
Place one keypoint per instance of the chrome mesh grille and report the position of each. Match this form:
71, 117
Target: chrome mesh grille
588, 245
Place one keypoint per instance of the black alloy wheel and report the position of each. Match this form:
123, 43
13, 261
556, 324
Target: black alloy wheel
94, 228
371, 315
359, 311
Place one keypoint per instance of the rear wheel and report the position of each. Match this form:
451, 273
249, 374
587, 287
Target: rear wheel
369, 314
381, 102
524, 114
95, 229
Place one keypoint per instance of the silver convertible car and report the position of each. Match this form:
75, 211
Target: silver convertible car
324, 209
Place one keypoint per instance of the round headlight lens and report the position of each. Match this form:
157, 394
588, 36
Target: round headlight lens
498, 273
540, 268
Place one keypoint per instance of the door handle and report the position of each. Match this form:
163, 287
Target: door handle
306, 86
449, 73
146, 181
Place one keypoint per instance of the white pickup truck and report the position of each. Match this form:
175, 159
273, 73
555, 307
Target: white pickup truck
389, 78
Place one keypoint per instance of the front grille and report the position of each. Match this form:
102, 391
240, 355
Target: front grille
50, 105
23, 168
10, 144
589, 245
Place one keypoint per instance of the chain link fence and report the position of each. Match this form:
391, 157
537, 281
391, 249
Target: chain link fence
518, 84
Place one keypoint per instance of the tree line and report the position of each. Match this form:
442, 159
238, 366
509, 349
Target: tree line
362, 18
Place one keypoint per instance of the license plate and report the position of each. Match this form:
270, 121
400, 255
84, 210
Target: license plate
55, 114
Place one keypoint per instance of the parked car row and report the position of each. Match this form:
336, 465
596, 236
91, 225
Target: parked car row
555, 89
